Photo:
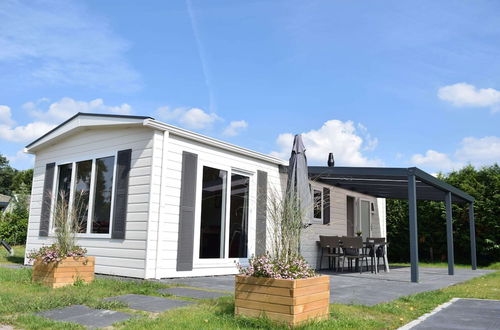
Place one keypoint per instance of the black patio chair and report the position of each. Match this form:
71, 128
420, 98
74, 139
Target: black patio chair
352, 249
330, 245
379, 252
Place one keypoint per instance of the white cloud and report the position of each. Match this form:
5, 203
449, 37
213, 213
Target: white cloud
56, 113
475, 151
6, 115
193, 118
67, 107
62, 43
24, 133
235, 127
335, 136
434, 160
479, 151
466, 95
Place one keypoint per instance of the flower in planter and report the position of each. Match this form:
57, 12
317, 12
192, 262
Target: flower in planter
359, 233
54, 253
266, 266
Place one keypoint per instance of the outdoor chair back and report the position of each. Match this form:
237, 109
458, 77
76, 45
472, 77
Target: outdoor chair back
352, 245
329, 241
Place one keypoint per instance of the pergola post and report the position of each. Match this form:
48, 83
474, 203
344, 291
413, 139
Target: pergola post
472, 233
449, 234
412, 212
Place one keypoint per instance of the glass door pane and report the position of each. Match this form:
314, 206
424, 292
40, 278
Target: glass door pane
238, 217
213, 213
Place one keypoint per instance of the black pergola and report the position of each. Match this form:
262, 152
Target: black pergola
403, 183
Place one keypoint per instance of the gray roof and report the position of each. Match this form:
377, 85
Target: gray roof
387, 182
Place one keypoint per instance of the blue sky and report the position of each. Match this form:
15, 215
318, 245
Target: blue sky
379, 83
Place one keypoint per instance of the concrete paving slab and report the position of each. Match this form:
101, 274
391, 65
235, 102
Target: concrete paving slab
149, 303
86, 316
461, 313
364, 289
193, 293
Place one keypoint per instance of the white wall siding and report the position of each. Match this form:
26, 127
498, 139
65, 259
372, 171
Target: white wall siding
169, 217
119, 257
338, 221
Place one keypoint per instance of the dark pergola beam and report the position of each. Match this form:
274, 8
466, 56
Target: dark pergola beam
412, 211
449, 234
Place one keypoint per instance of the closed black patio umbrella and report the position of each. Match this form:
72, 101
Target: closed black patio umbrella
298, 179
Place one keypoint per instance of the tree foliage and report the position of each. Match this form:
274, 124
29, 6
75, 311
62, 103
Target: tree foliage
484, 185
12, 180
14, 225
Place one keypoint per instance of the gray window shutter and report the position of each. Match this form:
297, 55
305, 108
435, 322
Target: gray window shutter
326, 206
185, 240
46, 199
123, 163
261, 227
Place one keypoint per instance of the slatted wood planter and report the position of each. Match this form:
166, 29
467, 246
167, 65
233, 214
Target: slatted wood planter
66, 272
289, 301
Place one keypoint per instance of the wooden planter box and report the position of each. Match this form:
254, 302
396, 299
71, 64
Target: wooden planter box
289, 301
66, 272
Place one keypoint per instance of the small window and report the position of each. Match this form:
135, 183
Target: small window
91, 193
318, 204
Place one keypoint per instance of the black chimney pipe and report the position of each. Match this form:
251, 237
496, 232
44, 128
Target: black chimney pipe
331, 161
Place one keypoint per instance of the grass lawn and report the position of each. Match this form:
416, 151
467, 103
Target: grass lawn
17, 258
19, 299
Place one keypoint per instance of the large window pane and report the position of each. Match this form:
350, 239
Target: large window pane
318, 207
103, 192
213, 210
82, 193
64, 184
238, 218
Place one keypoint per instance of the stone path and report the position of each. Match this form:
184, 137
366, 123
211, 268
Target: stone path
86, 316
192, 293
364, 289
461, 313
97, 318
149, 303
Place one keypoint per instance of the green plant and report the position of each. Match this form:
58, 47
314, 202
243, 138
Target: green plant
285, 225
67, 223
14, 225
283, 260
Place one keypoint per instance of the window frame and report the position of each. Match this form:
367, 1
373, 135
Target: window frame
224, 262
73, 161
314, 219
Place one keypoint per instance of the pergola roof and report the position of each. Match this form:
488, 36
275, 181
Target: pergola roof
388, 182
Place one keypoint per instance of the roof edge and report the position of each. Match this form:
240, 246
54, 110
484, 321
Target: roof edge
85, 114
212, 141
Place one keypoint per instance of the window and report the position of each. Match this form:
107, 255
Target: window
318, 204
89, 192
224, 226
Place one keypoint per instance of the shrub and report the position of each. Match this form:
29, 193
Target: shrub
14, 225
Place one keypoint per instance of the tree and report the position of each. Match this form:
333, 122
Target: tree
6, 176
484, 185
21, 182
